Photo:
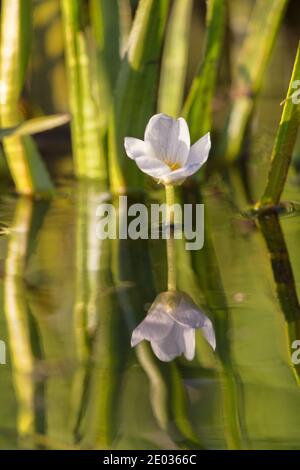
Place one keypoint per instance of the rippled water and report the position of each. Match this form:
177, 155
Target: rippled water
69, 303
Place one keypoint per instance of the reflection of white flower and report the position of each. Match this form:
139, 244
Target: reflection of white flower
170, 326
165, 153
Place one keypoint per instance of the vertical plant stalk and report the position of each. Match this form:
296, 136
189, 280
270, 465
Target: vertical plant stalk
175, 58
198, 105
249, 72
86, 139
105, 23
285, 140
171, 255
105, 34
125, 22
135, 94
27, 169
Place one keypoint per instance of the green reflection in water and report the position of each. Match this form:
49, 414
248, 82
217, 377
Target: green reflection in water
71, 302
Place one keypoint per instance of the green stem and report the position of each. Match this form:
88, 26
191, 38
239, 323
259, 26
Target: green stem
86, 137
170, 202
284, 142
250, 70
24, 161
197, 108
170, 240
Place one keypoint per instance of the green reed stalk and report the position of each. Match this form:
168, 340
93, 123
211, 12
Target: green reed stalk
105, 28
250, 71
105, 22
198, 105
125, 23
285, 140
86, 139
175, 59
134, 99
27, 169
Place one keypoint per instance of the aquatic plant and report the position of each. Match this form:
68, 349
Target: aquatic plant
88, 151
285, 141
249, 73
25, 164
166, 154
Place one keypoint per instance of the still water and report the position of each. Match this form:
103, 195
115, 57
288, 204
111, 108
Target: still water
69, 303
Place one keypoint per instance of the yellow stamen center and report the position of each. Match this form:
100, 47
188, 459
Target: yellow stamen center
173, 166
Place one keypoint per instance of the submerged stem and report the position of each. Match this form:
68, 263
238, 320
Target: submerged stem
170, 240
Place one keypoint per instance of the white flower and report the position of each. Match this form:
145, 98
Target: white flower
170, 326
165, 153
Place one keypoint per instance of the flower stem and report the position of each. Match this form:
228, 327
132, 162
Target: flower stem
170, 202
170, 240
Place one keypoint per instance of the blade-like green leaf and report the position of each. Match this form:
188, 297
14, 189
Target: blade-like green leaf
135, 95
25, 164
197, 108
175, 58
105, 34
36, 125
250, 71
105, 24
285, 140
86, 138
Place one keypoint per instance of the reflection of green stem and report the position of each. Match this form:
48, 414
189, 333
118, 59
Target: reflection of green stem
171, 263
170, 240
168, 396
16, 317
99, 328
203, 266
283, 276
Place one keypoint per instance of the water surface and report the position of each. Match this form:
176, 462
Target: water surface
69, 302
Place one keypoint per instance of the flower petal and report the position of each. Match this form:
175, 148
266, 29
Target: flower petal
187, 313
209, 333
154, 327
189, 343
168, 138
178, 176
135, 148
197, 157
170, 346
153, 167
199, 152
180, 340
